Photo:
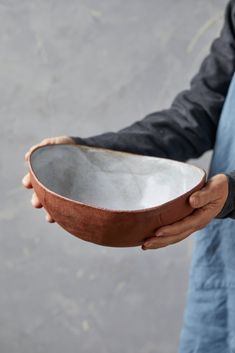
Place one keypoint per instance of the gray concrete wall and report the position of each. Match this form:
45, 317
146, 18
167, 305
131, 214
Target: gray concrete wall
81, 67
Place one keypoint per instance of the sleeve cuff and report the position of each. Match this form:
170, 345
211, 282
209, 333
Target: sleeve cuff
228, 211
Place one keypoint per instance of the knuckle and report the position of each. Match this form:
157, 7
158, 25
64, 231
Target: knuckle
195, 226
217, 188
201, 225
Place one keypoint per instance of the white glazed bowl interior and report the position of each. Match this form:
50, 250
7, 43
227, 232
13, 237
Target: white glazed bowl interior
110, 179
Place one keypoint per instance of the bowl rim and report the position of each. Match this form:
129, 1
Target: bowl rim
166, 205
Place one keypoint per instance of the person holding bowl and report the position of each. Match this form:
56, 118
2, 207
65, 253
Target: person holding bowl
200, 119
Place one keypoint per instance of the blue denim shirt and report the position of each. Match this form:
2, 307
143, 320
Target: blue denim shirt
209, 321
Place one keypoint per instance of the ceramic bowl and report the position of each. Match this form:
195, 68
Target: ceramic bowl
108, 197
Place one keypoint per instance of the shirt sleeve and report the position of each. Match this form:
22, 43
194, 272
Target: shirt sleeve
188, 128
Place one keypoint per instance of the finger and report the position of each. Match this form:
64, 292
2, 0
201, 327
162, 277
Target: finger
44, 142
161, 242
49, 218
50, 141
202, 197
35, 201
27, 182
197, 220
27, 154
26, 157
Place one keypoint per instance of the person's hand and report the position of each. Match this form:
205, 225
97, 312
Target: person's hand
26, 179
207, 204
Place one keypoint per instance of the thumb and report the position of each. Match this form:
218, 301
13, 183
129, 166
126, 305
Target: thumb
200, 198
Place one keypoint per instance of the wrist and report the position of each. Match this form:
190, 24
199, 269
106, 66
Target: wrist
229, 204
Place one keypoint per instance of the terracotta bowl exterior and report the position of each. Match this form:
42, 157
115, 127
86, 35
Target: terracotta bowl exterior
111, 198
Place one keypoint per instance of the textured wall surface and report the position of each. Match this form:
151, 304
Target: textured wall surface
81, 67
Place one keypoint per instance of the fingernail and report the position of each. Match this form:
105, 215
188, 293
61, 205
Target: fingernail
194, 201
148, 245
160, 234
